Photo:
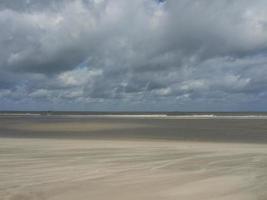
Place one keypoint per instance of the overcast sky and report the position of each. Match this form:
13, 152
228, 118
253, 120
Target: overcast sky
174, 55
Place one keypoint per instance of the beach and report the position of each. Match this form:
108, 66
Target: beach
57, 157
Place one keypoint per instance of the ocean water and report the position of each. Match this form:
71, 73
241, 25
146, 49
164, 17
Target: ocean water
169, 115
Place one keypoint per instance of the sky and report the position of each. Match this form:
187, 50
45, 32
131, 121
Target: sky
141, 55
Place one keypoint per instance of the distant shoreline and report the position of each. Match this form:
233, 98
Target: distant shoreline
154, 115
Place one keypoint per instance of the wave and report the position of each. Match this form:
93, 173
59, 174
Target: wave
152, 116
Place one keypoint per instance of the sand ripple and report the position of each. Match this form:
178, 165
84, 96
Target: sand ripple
94, 169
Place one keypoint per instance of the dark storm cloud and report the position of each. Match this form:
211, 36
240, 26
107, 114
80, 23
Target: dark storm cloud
173, 53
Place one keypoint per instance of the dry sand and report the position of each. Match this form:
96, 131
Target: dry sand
122, 170
50, 159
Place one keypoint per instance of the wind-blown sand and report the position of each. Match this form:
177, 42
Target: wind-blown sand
57, 168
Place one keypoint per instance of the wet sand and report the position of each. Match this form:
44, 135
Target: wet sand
126, 159
187, 129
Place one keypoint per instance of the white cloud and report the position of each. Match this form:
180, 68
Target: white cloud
79, 76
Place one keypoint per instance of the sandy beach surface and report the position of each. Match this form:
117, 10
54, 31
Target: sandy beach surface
37, 161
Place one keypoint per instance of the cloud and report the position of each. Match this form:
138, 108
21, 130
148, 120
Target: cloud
143, 54
78, 77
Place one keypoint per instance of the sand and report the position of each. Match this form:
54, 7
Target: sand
98, 169
59, 127
58, 168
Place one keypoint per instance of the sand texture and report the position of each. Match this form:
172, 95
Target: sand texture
58, 168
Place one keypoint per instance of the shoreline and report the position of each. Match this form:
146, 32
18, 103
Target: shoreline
149, 116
